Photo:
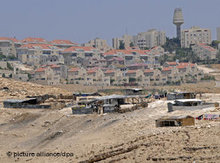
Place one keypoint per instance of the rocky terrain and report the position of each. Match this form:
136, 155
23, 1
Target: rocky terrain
127, 137
16, 89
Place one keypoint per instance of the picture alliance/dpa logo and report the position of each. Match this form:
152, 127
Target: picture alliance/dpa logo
39, 154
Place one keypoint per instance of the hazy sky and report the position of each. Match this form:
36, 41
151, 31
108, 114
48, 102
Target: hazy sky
83, 20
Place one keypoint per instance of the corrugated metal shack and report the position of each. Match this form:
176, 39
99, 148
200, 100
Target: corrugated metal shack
181, 95
133, 91
30, 103
107, 104
188, 104
175, 121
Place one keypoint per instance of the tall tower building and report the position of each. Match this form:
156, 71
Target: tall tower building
178, 21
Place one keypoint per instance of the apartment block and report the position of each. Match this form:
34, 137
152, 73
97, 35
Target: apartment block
98, 44
218, 33
39, 54
150, 39
126, 40
51, 74
178, 73
195, 35
133, 56
80, 55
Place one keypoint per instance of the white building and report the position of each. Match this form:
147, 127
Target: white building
8, 46
150, 39
195, 35
125, 39
98, 44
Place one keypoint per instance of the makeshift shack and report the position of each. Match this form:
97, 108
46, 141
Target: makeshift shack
175, 121
181, 95
77, 109
107, 104
85, 96
116, 102
133, 91
188, 104
30, 103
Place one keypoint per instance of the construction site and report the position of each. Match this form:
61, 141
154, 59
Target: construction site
114, 124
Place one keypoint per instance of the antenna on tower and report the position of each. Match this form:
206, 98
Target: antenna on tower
126, 31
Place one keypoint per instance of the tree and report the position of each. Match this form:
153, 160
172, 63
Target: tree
163, 59
9, 66
215, 43
131, 44
171, 44
121, 45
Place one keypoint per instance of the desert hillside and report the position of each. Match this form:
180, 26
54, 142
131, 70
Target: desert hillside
127, 137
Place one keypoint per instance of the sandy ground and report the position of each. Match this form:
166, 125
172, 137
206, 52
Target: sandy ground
127, 137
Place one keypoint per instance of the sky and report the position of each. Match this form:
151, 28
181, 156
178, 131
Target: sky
83, 20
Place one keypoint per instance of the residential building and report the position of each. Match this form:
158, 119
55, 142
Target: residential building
204, 52
175, 74
195, 35
51, 74
95, 76
133, 56
125, 40
80, 55
32, 40
8, 46
77, 75
150, 39
98, 44
63, 44
39, 54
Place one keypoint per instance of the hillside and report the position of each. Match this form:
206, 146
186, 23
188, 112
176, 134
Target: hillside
128, 137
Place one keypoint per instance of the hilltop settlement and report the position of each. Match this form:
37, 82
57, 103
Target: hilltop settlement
146, 98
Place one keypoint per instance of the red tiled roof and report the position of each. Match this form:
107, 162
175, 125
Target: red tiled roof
31, 39
184, 65
172, 63
109, 71
41, 69
75, 48
126, 51
54, 66
62, 42
75, 69
8, 39
91, 71
167, 68
209, 48
34, 46
148, 71
131, 72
